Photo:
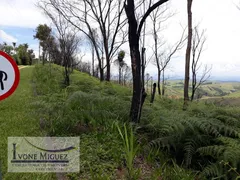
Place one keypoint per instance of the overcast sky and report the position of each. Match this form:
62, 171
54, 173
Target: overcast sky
220, 18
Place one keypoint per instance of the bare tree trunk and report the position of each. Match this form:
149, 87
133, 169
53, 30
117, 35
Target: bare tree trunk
163, 83
143, 66
198, 42
188, 54
108, 76
153, 93
101, 74
159, 82
92, 60
67, 79
193, 85
43, 57
119, 75
133, 35
136, 61
193, 93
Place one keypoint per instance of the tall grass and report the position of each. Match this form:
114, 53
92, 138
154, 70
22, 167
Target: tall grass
130, 150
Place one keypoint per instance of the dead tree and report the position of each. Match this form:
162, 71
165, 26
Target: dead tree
188, 54
107, 16
121, 64
126, 72
94, 31
68, 42
134, 31
158, 16
153, 93
197, 49
147, 80
163, 59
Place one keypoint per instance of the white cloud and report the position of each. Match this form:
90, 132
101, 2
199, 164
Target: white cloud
4, 37
21, 13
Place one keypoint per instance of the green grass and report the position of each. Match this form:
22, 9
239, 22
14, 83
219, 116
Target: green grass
235, 94
16, 120
89, 109
172, 143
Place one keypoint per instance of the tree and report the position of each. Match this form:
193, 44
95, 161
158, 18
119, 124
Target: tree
7, 48
22, 53
84, 67
83, 15
197, 49
134, 30
153, 93
67, 41
188, 54
157, 18
163, 59
126, 72
94, 31
43, 34
147, 80
120, 63
31, 56
14, 47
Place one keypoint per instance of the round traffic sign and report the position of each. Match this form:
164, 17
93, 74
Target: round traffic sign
9, 75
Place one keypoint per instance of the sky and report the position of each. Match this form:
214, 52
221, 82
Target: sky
220, 19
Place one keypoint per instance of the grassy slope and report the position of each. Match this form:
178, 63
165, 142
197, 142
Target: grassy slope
16, 120
88, 109
222, 93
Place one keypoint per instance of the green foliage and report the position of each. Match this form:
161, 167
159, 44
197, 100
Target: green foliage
200, 138
22, 52
130, 150
42, 32
17, 59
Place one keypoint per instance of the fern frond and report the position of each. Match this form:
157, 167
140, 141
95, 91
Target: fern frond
212, 170
189, 148
215, 151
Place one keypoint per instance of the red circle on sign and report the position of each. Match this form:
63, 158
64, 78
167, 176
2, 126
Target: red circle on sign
17, 75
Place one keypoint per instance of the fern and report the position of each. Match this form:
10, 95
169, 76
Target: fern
213, 170
204, 138
214, 151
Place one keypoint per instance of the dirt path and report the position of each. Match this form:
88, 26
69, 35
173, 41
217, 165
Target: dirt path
21, 67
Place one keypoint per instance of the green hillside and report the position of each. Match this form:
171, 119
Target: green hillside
211, 89
168, 143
